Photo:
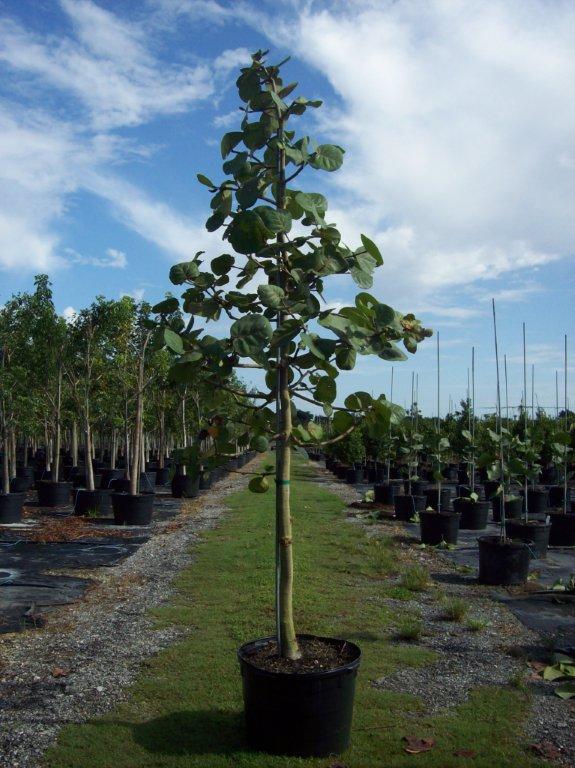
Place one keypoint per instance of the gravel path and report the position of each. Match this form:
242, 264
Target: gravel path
504, 653
84, 661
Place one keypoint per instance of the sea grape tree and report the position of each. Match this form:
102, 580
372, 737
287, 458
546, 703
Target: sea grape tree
270, 286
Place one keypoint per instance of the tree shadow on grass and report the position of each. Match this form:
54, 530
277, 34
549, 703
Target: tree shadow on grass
202, 732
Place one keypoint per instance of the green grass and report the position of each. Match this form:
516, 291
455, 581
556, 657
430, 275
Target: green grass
409, 629
454, 609
415, 578
186, 708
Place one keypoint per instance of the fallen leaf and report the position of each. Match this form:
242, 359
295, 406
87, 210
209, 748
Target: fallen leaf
538, 666
415, 745
465, 753
60, 672
337, 765
546, 749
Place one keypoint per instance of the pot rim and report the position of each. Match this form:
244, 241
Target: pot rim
351, 666
511, 543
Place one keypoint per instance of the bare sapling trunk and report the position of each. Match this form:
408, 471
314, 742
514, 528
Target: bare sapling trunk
74, 443
113, 449
58, 440
184, 428
286, 635
48, 448
25, 449
6, 462
162, 441
138, 426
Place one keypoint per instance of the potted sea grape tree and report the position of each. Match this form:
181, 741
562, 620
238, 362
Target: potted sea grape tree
282, 249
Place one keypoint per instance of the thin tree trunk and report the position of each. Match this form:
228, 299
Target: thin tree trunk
56, 474
74, 443
285, 629
113, 449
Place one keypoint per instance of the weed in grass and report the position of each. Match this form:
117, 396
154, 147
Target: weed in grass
476, 625
415, 578
518, 681
382, 557
454, 609
409, 630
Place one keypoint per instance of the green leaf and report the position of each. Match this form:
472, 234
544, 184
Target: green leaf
254, 136
391, 352
258, 485
205, 181
372, 249
166, 307
565, 690
271, 296
328, 157
215, 221
274, 220
221, 265
173, 341
247, 194
320, 348
260, 444
247, 233
342, 421
229, 141
325, 390
345, 359
358, 401
186, 270
248, 84
250, 334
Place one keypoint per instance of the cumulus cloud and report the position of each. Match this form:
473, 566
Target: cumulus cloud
112, 259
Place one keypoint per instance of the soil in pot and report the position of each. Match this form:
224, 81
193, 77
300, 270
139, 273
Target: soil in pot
302, 708
407, 506
437, 527
133, 510
474, 514
534, 532
503, 562
52, 494
562, 530
11, 507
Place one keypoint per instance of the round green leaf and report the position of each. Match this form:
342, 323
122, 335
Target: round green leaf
260, 444
250, 334
328, 157
247, 233
258, 485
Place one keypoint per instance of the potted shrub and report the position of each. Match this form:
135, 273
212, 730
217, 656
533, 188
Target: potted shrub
298, 689
502, 560
474, 513
410, 444
136, 507
562, 523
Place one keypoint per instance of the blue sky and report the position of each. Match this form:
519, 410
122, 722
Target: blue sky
457, 120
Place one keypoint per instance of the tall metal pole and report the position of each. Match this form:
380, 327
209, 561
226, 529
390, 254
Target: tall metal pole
502, 476
566, 422
438, 431
525, 491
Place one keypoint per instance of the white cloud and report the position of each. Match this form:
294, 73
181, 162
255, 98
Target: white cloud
227, 120
112, 259
106, 67
137, 294
69, 314
457, 124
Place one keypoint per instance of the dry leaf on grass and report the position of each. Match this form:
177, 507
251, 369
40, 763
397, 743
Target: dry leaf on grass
60, 672
471, 753
414, 745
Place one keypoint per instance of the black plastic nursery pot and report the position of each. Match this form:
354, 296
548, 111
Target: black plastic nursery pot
354, 476
53, 494
418, 487
11, 507
298, 714
205, 480
503, 562
557, 495
407, 506
534, 532
341, 471
107, 475
26, 473
473, 514
384, 493
81, 481
185, 486
513, 508
162, 475
133, 510
97, 502
437, 527
432, 496
562, 530
490, 487
19, 485
537, 500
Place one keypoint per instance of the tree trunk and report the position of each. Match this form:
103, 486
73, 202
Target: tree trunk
48, 448
113, 449
285, 629
162, 440
56, 473
74, 443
